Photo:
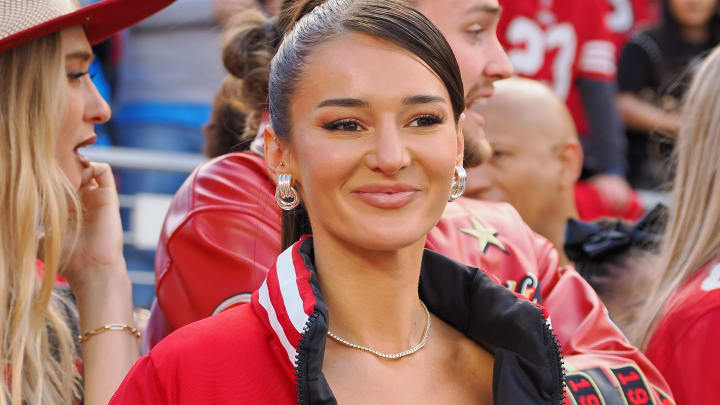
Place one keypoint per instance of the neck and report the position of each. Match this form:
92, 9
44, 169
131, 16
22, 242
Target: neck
553, 224
372, 296
695, 35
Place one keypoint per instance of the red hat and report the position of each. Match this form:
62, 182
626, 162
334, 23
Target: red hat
25, 20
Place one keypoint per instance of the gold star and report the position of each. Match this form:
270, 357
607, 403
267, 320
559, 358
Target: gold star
485, 236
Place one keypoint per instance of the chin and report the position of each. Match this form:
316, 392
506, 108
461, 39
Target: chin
387, 234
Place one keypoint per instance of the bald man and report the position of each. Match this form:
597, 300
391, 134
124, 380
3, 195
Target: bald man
536, 158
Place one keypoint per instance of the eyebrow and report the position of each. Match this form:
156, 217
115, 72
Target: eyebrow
85, 56
343, 102
496, 10
423, 99
356, 102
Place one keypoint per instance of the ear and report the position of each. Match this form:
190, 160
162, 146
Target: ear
460, 141
277, 151
570, 155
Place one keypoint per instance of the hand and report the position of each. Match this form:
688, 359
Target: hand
614, 190
98, 255
672, 123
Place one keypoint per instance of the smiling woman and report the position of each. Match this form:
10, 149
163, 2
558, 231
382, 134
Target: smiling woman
366, 103
60, 211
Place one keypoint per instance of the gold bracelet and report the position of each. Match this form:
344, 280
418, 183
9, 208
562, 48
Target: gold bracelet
111, 326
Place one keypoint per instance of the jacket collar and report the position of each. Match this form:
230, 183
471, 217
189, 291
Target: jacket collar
528, 367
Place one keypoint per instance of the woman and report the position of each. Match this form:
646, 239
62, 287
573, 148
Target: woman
653, 72
679, 324
60, 208
340, 318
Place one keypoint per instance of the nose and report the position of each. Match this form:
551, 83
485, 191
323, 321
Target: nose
389, 154
97, 109
478, 181
498, 66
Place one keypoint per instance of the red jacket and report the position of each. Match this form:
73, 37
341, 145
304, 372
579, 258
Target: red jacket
685, 345
272, 351
222, 234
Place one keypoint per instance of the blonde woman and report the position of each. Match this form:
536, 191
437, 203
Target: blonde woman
680, 324
59, 210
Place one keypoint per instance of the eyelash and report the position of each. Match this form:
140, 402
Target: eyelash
476, 32
336, 125
78, 75
434, 120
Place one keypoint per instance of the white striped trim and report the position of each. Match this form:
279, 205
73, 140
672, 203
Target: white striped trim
264, 300
598, 53
601, 46
596, 65
287, 279
243, 298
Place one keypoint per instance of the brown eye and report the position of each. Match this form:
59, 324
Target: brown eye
426, 121
344, 125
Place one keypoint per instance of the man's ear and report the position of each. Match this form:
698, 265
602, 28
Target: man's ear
460, 141
276, 153
570, 155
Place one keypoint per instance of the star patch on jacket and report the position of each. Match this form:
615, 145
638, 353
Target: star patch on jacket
486, 236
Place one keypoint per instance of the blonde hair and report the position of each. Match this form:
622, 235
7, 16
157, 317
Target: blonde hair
692, 236
37, 346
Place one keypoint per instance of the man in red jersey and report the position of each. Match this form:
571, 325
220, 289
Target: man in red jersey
566, 44
223, 233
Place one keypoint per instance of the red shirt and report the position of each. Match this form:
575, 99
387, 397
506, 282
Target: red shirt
685, 347
592, 206
627, 15
558, 42
222, 234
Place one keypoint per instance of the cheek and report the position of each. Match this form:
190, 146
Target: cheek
72, 115
68, 138
470, 59
68, 163
437, 157
323, 165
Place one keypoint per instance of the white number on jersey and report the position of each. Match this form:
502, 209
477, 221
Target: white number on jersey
528, 61
621, 19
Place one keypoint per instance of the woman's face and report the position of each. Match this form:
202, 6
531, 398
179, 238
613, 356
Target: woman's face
83, 108
693, 13
373, 144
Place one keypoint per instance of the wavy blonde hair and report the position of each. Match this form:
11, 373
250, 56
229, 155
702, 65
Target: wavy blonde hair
37, 346
692, 236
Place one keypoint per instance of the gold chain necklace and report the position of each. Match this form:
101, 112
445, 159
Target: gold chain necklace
392, 356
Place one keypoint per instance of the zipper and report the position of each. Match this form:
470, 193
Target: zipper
558, 369
301, 360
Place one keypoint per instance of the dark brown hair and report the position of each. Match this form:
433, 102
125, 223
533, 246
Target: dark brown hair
318, 22
249, 43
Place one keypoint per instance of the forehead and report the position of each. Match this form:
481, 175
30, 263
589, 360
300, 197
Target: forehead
358, 65
73, 40
441, 9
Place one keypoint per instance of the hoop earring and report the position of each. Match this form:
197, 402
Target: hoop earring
458, 183
286, 196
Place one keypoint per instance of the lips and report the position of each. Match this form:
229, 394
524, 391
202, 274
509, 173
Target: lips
386, 196
87, 142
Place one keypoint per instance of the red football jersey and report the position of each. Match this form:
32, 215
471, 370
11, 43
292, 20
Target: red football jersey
684, 346
627, 15
557, 42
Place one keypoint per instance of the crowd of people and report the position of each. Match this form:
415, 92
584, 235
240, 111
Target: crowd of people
388, 215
